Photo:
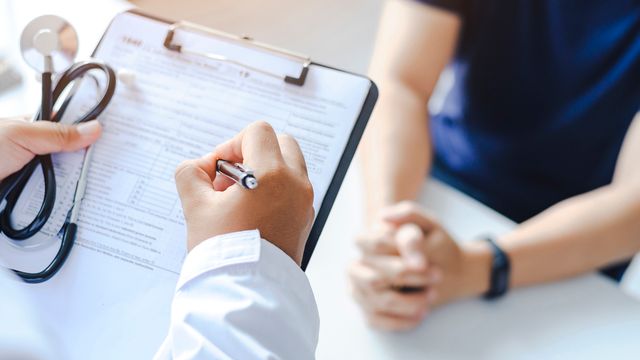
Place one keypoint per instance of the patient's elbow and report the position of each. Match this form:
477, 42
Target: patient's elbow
633, 199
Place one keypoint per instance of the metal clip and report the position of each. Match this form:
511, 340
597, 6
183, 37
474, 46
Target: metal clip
304, 61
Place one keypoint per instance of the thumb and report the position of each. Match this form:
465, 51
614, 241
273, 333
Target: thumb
411, 245
45, 137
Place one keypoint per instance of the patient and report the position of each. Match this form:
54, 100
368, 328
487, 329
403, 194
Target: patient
538, 124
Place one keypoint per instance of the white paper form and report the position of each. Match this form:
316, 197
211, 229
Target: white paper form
113, 294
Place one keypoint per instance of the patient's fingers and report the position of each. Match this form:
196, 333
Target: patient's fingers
387, 272
388, 301
378, 240
411, 244
395, 272
409, 212
391, 322
376, 284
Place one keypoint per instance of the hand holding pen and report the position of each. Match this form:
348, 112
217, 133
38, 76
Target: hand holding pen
281, 208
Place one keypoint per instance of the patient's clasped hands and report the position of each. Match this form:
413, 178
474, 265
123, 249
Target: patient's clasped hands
410, 264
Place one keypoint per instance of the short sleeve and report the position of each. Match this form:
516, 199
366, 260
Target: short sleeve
456, 6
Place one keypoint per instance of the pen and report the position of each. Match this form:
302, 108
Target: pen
238, 173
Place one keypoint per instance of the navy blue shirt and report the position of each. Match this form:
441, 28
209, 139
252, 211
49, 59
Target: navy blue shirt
544, 93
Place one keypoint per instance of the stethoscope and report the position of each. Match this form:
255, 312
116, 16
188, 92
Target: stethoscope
49, 44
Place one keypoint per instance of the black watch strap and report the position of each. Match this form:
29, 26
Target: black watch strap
500, 271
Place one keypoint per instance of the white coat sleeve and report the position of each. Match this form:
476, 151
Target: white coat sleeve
241, 297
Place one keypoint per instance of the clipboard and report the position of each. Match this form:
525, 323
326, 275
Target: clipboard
294, 79
110, 274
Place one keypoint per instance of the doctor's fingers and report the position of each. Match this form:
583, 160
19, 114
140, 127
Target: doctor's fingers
414, 304
45, 137
194, 180
256, 146
292, 154
221, 182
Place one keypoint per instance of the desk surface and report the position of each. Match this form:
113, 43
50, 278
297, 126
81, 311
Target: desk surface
586, 318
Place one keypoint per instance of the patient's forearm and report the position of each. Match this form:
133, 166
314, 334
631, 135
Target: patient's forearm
397, 150
414, 44
577, 235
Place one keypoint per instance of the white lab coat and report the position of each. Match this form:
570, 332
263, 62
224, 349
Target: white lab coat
238, 297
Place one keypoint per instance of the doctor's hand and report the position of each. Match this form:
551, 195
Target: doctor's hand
281, 207
411, 267
21, 141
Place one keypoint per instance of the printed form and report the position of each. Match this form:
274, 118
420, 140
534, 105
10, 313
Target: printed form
131, 240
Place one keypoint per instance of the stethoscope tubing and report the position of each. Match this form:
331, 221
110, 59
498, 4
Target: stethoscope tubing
12, 187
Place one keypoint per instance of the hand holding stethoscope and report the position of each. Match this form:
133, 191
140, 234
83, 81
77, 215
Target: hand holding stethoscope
23, 140
49, 44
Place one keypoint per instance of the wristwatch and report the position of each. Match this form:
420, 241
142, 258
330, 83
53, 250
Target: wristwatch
500, 271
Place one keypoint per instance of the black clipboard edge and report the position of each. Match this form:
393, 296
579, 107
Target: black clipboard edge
344, 163
343, 166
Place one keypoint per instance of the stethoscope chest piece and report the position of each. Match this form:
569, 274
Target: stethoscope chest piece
49, 36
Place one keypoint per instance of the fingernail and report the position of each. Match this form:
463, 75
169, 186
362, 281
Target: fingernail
88, 128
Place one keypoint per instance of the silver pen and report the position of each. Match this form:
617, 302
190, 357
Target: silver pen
239, 173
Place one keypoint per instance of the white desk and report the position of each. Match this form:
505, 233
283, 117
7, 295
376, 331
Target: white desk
585, 318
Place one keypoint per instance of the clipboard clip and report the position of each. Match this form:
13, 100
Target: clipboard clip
304, 61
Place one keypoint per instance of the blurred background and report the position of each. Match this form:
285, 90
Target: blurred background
335, 32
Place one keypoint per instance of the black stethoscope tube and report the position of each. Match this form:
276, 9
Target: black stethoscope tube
46, 106
12, 187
